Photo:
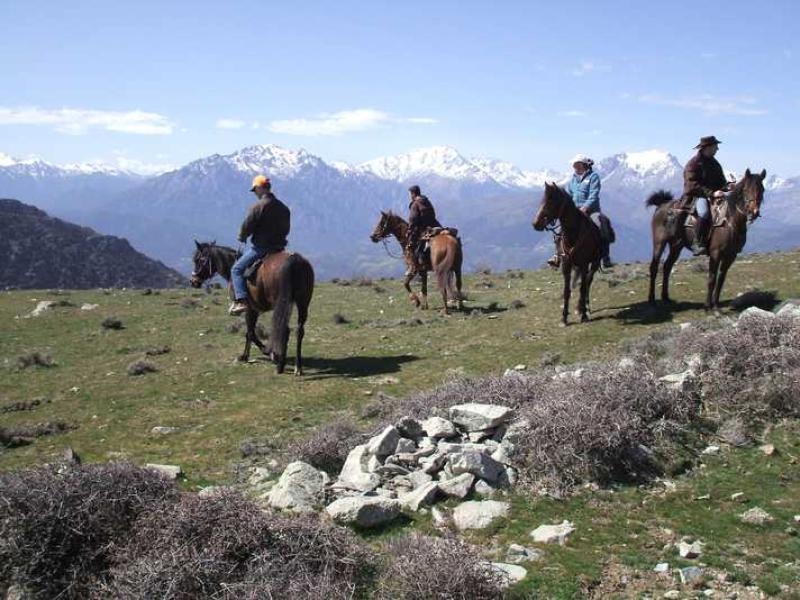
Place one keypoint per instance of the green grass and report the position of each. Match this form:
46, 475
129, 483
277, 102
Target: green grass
217, 403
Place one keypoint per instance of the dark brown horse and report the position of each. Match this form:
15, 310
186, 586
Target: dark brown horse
282, 280
726, 239
580, 245
446, 259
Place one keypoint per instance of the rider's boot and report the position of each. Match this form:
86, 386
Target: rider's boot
700, 245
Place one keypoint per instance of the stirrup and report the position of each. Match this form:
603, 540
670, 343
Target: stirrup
554, 261
237, 308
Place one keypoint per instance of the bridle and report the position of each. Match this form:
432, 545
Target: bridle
383, 235
206, 269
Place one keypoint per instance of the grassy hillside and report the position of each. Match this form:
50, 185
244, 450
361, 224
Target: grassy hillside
386, 347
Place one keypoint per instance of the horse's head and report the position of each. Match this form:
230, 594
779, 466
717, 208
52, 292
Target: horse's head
753, 193
550, 208
204, 268
384, 228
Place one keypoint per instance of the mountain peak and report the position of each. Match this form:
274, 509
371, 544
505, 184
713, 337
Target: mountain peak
438, 161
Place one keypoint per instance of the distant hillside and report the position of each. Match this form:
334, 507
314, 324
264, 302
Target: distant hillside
40, 251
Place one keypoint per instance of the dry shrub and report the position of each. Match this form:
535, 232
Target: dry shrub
112, 323
23, 405
35, 359
157, 350
140, 367
328, 447
34, 431
225, 546
752, 370
516, 304
58, 528
427, 568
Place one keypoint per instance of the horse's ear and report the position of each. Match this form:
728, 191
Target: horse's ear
213, 243
747, 173
196, 243
383, 213
763, 174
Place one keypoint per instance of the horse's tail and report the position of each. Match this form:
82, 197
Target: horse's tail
658, 198
282, 312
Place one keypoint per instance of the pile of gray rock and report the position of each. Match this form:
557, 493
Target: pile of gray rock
411, 465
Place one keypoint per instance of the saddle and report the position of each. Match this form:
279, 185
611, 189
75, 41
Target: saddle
432, 232
679, 216
250, 272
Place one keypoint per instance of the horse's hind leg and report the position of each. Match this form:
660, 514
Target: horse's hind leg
583, 299
459, 295
725, 264
424, 290
711, 281
251, 318
302, 315
674, 252
407, 284
658, 250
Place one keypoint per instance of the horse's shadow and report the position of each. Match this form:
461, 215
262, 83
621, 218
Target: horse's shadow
644, 313
354, 366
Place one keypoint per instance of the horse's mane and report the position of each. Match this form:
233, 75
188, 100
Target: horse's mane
560, 191
214, 244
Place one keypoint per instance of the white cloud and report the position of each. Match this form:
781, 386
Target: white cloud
338, 123
76, 121
708, 104
572, 113
589, 66
230, 124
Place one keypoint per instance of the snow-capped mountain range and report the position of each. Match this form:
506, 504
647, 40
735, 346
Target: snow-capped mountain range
334, 205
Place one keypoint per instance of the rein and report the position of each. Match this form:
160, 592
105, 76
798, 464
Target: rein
389, 252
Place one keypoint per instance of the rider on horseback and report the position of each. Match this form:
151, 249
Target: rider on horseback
584, 187
421, 216
267, 225
703, 180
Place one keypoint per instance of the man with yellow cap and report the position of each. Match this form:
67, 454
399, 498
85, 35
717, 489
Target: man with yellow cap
267, 225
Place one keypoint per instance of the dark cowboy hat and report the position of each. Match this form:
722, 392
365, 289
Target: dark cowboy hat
708, 140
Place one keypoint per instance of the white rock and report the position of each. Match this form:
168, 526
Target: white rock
475, 417
672, 594
516, 431
690, 574
738, 497
518, 553
788, 309
661, 568
678, 381
364, 511
756, 313
711, 450
408, 427
170, 471
478, 463
419, 478
479, 514
687, 550
439, 516
501, 455
484, 490
354, 474
405, 445
478, 436
452, 448
424, 494
756, 516
437, 427
511, 574
459, 486
553, 534
384, 443
433, 464
41, 307
300, 488
164, 430
87, 306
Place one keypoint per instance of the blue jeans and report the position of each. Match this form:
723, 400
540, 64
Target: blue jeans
701, 205
250, 256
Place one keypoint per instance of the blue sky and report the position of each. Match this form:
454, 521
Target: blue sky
529, 82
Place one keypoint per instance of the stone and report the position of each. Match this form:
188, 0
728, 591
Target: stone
553, 534
672, 594
409, 428
478, 436
687, 550
169, 471
754, 312
485, 490
690, 575
451, 448
42, 307
160, 430
756, 516
518, 553
300, 488
439, 516
738, 497
789, 308
437, 427
88, 306
364, 511
419, 478
510, 574
405, 445
354, 474
479, 514
424, 494
711, 450
476, 417
434, 463
459, 486
661, 568
679, 381
515, 432
390, 469
478, 463
373, 464
384, 443
767, 449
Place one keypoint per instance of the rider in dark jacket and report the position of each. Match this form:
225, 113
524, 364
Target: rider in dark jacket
703, 180
421, 216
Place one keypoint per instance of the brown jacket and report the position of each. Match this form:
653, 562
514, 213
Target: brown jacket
421, 214
702, 176
268, 221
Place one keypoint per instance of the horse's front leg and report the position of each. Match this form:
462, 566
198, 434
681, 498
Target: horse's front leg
407, 284
658, 250
711, 281
674, 252
566, 271
250, 318
583, 300
424, 289
725, 264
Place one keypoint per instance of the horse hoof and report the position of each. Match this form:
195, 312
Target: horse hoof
242, 358
584, 319
298, 372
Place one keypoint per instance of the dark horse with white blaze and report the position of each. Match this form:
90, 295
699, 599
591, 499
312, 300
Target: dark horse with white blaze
283, 279
445, 263
728, 234
580, 244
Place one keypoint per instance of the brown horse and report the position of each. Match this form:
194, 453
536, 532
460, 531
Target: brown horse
728, 234
580, 244
446, 259
283, 279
